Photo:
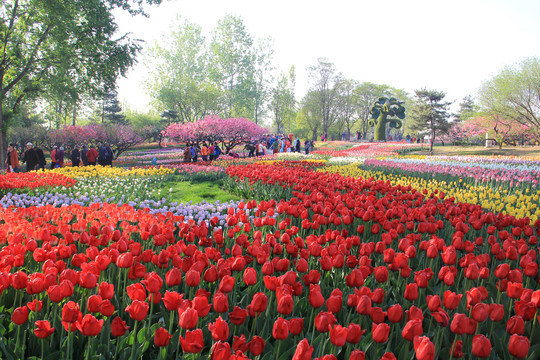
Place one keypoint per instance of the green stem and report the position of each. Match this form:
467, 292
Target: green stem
132, 357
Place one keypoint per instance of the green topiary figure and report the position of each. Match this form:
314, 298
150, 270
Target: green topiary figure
380, 111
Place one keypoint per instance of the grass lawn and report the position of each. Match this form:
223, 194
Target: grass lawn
530, 151
186, 191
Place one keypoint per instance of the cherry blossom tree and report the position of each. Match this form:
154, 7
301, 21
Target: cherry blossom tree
121, 137
228, 132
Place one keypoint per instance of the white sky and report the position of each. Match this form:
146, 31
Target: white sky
452, 45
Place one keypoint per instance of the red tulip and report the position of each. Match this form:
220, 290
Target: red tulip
303, 351
20, 315
338, 335
518, 346
106, 308
219, 330
193, 342
316, 298
153, 282
162, 337
136, 292
70, 312
200, 303
354, 333
227, 284
238, 316
221, 351
138, 310
89, 326
357, 355
457, 347
193, 278
172, 300
93, 303
188, 318
412, 329
256, 345
480, 312
258, 302
43, 329
118, 327
250, 276
221, 302
240, 343
496, 312
125, 260
451, 300
173, 277
395, 313
515, 325
424, 348
106, 291
481, 346
324, 321
280, 331
411, 292
380, 332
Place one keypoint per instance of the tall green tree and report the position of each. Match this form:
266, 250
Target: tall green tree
325, 82
346, 107
179, 78
233, 63
41, 40
430, 114
283, 103
514, 94
310, 115
467, 109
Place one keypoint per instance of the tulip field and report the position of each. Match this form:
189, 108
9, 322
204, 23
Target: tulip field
361, 252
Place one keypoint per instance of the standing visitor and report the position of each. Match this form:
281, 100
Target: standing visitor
102, 155
195, 152
12, 159
60, 157
75, 156
204, 152
84, 158
211, 151
110, 155
187, 153
41, 158
298, 144
53, 157
275, 146
92, 155
30, 158
217, 151
307, 146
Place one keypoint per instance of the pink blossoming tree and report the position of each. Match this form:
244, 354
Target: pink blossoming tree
228, 132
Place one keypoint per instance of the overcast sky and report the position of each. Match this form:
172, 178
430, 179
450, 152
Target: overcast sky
451, 45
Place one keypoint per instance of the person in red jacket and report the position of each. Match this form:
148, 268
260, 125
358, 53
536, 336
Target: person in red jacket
92, 155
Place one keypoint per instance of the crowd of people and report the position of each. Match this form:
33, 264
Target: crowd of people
34, 158
209, 151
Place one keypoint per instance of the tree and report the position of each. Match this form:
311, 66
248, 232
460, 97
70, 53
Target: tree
429, 114
467, 109
111, 109
42, 39
310, 116
179, 78
514, 94
325, 82
347, 110
232, 62
229, 132
283, 102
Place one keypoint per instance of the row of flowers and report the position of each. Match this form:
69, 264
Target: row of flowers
519, 201
481, 171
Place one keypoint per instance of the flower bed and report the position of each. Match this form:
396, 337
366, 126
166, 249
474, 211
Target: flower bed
328, 267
